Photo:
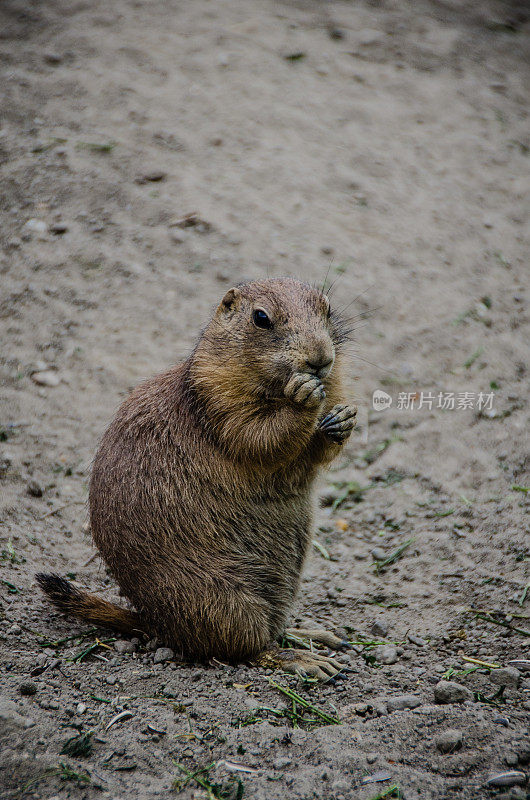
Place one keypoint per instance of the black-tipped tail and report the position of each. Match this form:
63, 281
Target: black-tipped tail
70, 600
63, 594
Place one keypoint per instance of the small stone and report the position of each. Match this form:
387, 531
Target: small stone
154, 176
378, 554
35, 489
122, 646
377, 777
380, 706
523, 754
379, 628
354, 709
498, 719
111, 680
522, 664
282, 762
15, 629
163, 654
46, 378
371, 758
512, 778
369, 36
506, 676
9, 714
451, 692
177, 235
5, 463
401, 702
385, 654
340, 785
58, 228
53, 58
449, 741
27, 689
511, 759
335, 33
169, 691
417, 640
37, 227
81, 708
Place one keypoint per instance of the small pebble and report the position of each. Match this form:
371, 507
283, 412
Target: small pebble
378, 554
401, 702
35, 489
512, 778
163, 654
335, 33
523, 753
499, 720
27, 689
58, 228
377, 777
177, 235
81, 708
154, 176
451, 692
53, 58
36, 226
282, 762
506, 676
46, 378
122, 646
417, 640
385, 654
449, 741
522, 664
379, 628
511, 759
5, 463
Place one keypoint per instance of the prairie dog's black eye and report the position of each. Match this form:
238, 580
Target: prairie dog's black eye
260, 319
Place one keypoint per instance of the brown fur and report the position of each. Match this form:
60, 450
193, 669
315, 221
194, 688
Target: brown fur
200, 497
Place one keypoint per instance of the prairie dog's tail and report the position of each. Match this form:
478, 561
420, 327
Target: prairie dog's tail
71, 600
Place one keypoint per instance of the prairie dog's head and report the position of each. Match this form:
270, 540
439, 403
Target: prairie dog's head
266, 331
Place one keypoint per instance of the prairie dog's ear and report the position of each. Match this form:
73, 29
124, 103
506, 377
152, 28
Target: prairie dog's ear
230, 302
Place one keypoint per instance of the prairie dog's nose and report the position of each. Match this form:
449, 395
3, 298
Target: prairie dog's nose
320, 364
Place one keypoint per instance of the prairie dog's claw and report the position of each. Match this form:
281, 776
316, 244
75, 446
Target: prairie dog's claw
338, 424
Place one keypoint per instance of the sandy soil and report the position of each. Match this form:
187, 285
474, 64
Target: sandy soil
384, 143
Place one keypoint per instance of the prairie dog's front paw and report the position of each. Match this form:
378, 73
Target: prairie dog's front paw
306, 389
339, 423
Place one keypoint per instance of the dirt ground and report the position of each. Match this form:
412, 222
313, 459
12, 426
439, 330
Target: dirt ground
384, 144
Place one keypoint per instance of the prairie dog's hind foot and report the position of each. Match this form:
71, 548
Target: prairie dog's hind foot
303, 663
318, 635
